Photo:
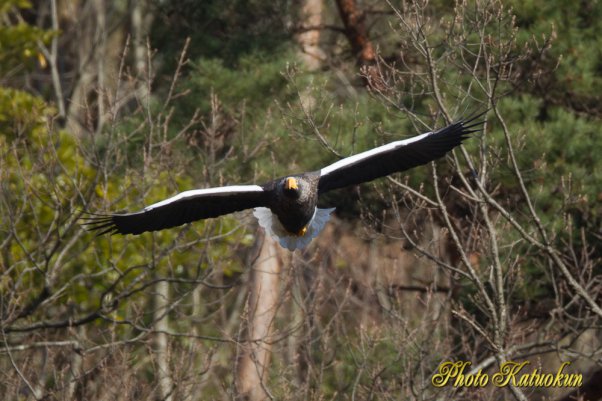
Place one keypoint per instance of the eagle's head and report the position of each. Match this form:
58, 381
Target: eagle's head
290, 188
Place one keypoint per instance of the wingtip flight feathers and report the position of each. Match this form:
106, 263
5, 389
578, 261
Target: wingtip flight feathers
470, 125
475, 120
99, 223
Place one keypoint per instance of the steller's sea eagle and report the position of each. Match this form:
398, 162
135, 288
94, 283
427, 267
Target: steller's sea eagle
287, 207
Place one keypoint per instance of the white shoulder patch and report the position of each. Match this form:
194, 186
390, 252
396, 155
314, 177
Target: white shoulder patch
273, 227
206, 191
369, 153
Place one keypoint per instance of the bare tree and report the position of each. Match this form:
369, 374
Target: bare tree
261, 309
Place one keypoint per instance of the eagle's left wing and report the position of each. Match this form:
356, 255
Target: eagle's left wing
395, 156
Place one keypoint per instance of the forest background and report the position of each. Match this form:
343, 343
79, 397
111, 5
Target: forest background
489, 255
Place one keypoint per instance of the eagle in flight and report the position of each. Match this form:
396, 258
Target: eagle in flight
287, 207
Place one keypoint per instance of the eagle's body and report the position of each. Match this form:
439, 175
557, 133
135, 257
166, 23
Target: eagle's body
287, 207
294, 208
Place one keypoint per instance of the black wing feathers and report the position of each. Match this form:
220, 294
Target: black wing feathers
176, 213
389, 158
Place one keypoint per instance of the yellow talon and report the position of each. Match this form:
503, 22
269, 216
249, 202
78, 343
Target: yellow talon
301, 232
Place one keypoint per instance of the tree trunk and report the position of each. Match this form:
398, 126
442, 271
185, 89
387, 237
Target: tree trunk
161, 301
141, 20
356, 31
262, 304
310, 16
98, 50
361, 46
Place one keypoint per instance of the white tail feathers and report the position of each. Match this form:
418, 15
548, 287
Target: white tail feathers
273, 227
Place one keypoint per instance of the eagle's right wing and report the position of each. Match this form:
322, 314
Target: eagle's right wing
183, 208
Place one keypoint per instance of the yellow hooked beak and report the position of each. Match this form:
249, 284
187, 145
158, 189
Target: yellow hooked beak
302, 232
290, 183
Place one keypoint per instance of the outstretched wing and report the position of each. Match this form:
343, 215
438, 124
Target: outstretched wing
395, 156
183, 208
